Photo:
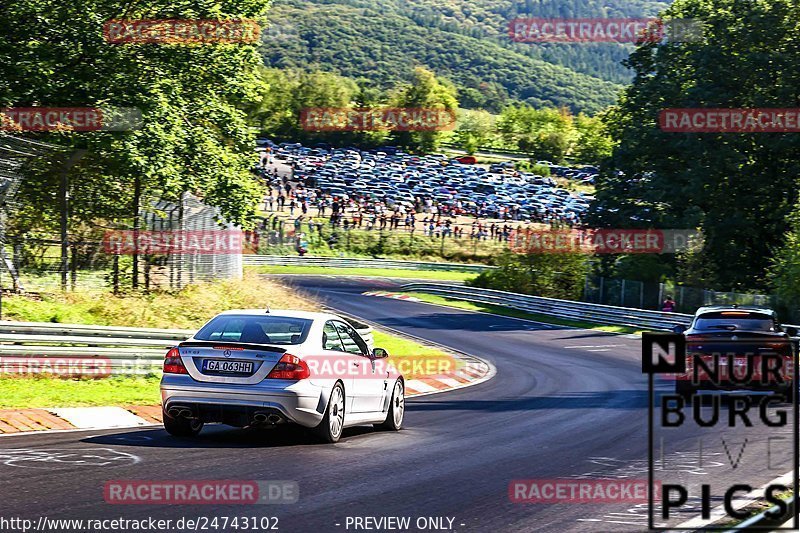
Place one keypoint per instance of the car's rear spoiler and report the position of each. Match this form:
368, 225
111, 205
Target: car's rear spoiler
236, 345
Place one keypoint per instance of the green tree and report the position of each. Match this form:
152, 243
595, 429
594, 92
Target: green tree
544, 133
784, 270
474, 129
737, 187
194, 136
424, 92
593, 144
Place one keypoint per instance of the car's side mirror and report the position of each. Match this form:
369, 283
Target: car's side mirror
379, 353
680, 328
791, 331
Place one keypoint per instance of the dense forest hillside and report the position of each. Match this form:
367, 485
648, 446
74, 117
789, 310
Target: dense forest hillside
467, 42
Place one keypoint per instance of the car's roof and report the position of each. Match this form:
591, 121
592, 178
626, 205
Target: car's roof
310, 315
723, 308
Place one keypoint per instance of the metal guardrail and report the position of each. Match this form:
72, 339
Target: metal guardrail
88, 330
567, 309
43, 347
355, 262
764, 520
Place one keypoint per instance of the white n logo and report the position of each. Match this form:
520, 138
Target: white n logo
663, 353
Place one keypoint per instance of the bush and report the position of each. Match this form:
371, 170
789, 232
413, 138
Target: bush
549, 275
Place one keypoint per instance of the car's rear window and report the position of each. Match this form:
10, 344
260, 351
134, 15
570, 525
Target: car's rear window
735, 320
256, 329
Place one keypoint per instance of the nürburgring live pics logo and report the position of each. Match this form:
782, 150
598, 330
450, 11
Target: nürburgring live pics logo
755, 425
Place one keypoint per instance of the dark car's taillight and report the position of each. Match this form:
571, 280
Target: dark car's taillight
290, 367
173, 364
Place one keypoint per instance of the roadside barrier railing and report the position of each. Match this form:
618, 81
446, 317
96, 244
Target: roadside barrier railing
51, 348
565, 309
356, 262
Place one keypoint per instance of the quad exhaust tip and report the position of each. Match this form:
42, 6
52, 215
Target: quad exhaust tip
271, 419
180, 412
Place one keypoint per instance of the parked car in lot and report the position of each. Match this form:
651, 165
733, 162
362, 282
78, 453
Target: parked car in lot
261, 368
741, 340
431, 182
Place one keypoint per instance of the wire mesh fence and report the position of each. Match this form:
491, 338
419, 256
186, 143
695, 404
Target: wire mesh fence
178, 244
190, 244
651, 295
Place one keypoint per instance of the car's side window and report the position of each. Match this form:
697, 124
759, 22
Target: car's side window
352, 341
330, 338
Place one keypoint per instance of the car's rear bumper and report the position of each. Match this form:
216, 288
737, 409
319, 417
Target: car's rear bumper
297, 402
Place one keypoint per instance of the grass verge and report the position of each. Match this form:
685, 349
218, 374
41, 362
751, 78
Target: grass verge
443, 275
515, 313
188, 308
54, 392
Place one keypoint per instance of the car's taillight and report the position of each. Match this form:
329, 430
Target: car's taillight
290, 367
173, 364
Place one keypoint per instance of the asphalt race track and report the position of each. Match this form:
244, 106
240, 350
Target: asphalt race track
565, 403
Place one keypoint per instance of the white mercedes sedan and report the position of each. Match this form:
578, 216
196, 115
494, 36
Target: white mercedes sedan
262, 368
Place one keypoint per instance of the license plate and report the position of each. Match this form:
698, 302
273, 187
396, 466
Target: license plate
228, 367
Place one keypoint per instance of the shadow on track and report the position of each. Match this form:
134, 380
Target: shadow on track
467, 322
219, 436
622, 399
591, 335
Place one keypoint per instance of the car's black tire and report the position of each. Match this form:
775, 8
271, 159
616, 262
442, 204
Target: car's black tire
685, 389
397, 408
181, 427
329, 430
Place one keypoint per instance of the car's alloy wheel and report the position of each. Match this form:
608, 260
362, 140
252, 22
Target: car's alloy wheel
397, 407
330, 428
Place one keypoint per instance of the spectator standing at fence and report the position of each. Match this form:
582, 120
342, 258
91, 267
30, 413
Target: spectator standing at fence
669, 305
281, 201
